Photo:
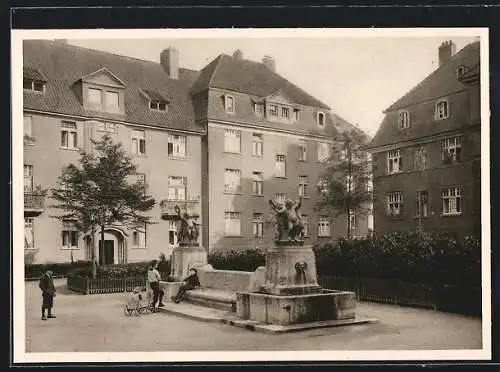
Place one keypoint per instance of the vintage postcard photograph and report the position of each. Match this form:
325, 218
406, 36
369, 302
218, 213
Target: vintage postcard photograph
250, 195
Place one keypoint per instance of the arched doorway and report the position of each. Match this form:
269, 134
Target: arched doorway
112, 250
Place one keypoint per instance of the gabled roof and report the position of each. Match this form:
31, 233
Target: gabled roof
250, 77
440, 83
104, 71
63, 65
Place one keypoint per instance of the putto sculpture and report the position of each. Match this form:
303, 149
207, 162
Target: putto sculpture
187, 229
289, 224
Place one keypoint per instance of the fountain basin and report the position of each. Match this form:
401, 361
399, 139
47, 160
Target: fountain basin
296, 309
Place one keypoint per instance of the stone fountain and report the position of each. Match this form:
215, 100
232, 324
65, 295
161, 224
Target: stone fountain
291, 294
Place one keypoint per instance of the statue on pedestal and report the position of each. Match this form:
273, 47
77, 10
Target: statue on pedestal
288, 220
187, 229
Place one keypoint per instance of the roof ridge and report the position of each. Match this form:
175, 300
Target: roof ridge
217, 64
419, 84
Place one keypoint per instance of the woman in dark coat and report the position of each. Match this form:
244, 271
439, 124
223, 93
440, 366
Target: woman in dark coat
46, 284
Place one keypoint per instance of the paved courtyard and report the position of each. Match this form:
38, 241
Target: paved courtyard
96, 323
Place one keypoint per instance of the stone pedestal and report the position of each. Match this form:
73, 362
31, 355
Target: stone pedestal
185, 256
290, 269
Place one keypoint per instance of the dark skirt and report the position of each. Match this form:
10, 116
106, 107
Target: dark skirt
47, 300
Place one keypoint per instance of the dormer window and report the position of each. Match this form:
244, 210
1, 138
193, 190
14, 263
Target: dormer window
103, 91
403, 119
229, 104
156, 101
321, 119
33, 80
158, 105
460, 71
259, 109
442, 110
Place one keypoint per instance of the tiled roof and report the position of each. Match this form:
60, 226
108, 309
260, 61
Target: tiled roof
440, 83
154, 95
64, 65
31, 73
250, 77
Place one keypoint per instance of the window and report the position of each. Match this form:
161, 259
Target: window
303, 151
285, 112
157, 105
303, 184
69, 235
257, 183
394, 161
280, 197
95, 96
172, 233
28, 129
112, 101
257, 144
177, 188
421, 158
395, 204
403, 119
69, 135
305, 222
35, 85
138, 142
29, 236
280, 166
321, 119
369, 183
273, 110
323, 151
258, 225
349, 183
106, 127
232, 181
176, 145
28, 178
139, 237
422, 204
353, 221
296, 114
452, 201
259, 110
442, 110
460, 71
229, 104
324, 226
452, 149
232, 141
232, 225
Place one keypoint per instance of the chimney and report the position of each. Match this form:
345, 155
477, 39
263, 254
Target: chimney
169, 60
268, 61
238, 55
446, 50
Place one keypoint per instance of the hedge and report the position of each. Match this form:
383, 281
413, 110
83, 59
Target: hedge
35, 271
120, 270
427, 258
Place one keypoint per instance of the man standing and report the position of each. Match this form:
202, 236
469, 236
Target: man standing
154, 283
46, 284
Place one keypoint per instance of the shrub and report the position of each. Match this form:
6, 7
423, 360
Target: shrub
113, 271
243, 260
33, 271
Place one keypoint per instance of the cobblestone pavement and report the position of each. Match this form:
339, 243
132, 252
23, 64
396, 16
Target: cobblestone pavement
96, 323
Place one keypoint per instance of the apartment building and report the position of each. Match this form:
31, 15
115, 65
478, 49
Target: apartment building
219, 143
427, 151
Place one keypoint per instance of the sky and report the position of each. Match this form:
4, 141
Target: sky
357, 77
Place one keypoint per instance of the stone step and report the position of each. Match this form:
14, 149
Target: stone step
212, 298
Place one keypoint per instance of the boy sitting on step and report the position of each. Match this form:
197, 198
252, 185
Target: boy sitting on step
190, 282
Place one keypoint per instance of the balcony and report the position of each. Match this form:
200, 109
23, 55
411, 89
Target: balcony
33, 204
190, 207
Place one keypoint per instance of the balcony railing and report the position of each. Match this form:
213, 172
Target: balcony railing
34, 204
191, 207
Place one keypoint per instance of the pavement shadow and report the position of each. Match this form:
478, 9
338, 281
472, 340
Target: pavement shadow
62, 289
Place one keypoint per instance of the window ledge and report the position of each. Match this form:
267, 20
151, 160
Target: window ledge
230, 112
233, 236
392, 173
451, 214
233, 153
302, 160
69, 148
257, 156
69, 248
282, 177
324, 236
421, 218
232, 193
258, 195
140, 155
137, 247
173, 157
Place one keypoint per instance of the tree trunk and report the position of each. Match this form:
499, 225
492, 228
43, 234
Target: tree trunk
93, 255
348, 224
102, 238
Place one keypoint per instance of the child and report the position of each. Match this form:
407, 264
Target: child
46, 284
135, 299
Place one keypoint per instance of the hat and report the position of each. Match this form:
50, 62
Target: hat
192, 268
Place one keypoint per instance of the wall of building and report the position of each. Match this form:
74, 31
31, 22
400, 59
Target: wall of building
48, 158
